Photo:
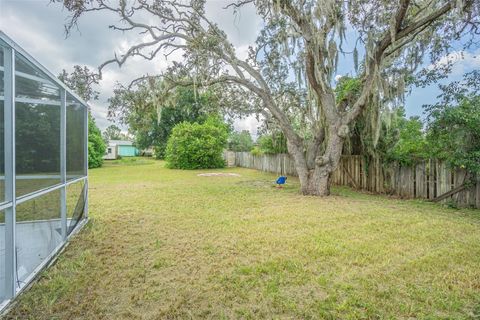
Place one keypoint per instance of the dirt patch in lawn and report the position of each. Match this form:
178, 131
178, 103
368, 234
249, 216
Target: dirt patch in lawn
257, 183
218, 174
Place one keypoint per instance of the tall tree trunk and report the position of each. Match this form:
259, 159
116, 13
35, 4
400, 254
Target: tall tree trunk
316, 181
295, 149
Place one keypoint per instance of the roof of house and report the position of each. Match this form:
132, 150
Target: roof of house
120, 142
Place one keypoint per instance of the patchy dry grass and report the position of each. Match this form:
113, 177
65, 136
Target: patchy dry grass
167, 244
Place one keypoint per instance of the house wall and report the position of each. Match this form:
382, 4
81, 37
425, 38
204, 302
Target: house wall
110, 153
127, 151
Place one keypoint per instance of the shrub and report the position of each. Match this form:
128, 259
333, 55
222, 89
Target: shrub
96, 145
197, 146
410, 144
454, 133
256, 151
272, 143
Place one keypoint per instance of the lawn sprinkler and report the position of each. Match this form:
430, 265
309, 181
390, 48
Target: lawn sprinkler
281, 181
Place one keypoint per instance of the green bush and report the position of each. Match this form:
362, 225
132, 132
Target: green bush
197, 146
273, 143
454, 133
407, 143
256, 151
96, 145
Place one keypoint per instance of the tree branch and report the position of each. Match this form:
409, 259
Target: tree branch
384, 44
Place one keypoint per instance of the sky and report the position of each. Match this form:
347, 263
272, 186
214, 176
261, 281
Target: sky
38, 27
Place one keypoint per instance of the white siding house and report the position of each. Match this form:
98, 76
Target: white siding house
111, 153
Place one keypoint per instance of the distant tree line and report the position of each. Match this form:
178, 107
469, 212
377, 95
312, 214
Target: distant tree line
113, 132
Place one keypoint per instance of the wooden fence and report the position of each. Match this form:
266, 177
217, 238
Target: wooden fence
426, 180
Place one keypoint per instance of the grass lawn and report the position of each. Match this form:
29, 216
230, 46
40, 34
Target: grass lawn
167, 244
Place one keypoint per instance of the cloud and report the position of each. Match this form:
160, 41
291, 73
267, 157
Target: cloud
249, 123
38, 27
462, 62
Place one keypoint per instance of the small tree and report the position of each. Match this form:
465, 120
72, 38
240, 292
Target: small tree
240, 141
96, 145
197, 146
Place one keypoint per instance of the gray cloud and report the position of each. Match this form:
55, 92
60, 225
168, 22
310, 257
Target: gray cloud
38, 27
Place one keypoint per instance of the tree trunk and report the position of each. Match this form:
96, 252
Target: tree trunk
316, 181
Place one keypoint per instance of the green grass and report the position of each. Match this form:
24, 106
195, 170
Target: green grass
125, 161
167, 244
46, 206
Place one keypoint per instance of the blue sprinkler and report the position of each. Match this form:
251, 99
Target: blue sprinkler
280, 181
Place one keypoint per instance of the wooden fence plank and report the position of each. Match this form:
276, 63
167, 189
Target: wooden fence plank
439, 176
432, 179
357, 173
477, 193
420, 181
445, 181
406, 182
378, 174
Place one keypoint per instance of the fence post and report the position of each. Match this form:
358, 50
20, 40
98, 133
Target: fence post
432, 179
477, 193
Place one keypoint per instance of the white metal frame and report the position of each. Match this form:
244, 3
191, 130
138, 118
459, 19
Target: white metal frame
12, 289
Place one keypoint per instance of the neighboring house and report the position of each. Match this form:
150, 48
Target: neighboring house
120, 148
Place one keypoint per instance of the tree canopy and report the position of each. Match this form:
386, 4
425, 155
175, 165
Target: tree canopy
240, 141
454, 123
113, 132
273, 142
151, 118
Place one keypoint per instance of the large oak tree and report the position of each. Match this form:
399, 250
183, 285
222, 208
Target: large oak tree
303, 38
